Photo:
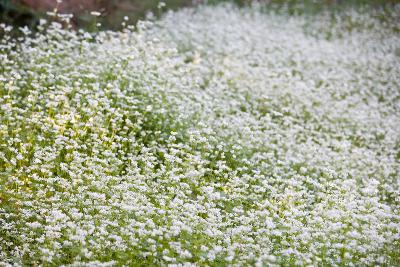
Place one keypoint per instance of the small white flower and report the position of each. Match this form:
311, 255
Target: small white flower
95, 13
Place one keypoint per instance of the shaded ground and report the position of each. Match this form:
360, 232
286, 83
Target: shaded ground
28, 12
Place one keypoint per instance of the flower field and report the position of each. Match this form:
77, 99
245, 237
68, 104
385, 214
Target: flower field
214, 136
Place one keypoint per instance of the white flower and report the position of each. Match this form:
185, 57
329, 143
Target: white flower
95, 13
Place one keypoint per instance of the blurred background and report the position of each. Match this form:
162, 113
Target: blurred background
19, 13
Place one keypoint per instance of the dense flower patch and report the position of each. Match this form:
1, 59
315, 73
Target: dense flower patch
214, 136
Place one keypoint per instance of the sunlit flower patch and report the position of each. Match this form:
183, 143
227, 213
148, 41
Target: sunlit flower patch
214, 136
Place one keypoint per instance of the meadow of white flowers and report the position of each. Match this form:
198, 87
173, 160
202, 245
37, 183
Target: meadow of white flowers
214, 136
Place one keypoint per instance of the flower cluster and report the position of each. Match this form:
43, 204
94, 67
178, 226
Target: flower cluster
214, 136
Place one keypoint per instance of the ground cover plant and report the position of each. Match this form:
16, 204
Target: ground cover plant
214, 136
